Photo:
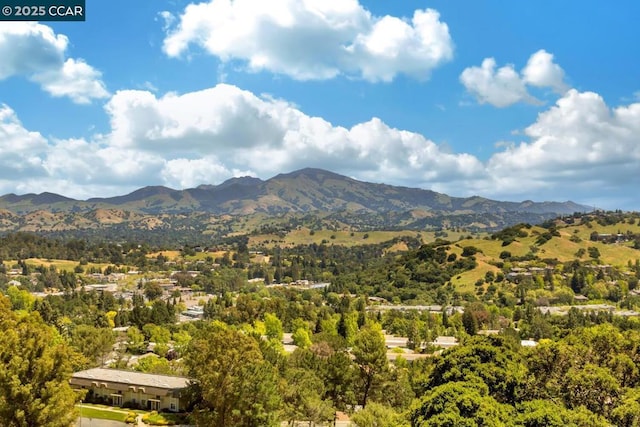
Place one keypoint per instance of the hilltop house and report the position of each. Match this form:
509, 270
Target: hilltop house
132, 389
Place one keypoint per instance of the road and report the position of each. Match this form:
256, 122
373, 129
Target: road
92, 422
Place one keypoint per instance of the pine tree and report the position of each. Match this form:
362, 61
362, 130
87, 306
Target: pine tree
35, 367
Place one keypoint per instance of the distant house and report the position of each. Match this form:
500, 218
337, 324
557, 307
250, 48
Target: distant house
115, 277
518, 273
607, 238
97, 287
195, 312
132, 389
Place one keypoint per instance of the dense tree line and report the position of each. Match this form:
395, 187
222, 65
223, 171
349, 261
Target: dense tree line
28, 245
583, 372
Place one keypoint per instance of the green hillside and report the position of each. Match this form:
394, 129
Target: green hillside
547, 263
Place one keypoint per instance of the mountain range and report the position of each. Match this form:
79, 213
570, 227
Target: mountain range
305, 190
312, 198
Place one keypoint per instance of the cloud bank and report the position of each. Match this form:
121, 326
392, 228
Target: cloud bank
181, 141
505, 86
34, 51
313, 39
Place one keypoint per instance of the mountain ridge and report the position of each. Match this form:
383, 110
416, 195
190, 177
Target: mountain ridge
303, 190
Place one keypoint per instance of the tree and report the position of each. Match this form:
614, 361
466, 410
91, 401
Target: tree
470, 322
235, 384
339, 377
92, 342
140, 313
273, 326
20, 299
468, 251
154, 365
303, 397
593, 387
162, 313
627, 414
397, 392
35, 367
157, 334
464, 404
486, 360
377, 415
152, 290
370, 354
135, 340
546, 413
301, 338
181, 341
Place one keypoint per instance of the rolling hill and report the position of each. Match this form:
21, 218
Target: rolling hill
313, 199
305, 190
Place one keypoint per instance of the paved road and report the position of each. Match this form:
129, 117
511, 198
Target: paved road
92, 422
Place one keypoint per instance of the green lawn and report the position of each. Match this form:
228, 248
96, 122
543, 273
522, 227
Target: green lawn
60, 264
98, 412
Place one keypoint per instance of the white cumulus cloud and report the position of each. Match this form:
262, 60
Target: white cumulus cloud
189, 173
580, 145
20, 150
500, 88
541, 71
314, 39
505, 86
35, 51
269, 136
580, 149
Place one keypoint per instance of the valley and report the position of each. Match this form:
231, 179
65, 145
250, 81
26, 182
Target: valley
309, 303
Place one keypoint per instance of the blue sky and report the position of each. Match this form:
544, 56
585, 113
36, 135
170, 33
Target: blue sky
507, 100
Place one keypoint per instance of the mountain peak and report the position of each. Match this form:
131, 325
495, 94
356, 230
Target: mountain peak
313, 173
237, 180
45, 198
304, 190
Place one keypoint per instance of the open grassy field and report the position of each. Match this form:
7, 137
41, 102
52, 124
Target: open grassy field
305, 236
101, 412
562, 247
60, 264
584, 231
172, 255
177, 255
466, 281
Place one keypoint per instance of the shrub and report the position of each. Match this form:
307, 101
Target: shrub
131, 418
469, 251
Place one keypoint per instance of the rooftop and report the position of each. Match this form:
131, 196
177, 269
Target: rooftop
133, 378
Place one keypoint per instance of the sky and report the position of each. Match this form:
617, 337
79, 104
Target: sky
502, 99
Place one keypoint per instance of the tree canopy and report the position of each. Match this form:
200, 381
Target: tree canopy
35, 367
